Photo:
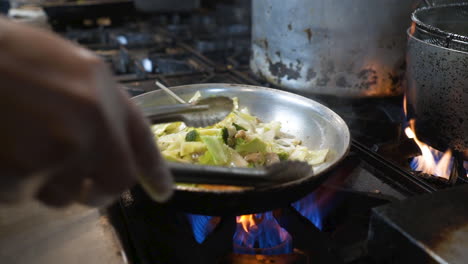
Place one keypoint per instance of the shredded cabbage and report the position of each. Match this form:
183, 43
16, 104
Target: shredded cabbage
240, 140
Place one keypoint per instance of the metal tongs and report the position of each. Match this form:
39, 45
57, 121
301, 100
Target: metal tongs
276, 173
201, 113
207, 112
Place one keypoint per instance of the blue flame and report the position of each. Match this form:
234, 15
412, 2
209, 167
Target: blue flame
310, 209
202, 226
317, 205
266, 237
122, 40
465, 164
437, 157
420, 163
147, 65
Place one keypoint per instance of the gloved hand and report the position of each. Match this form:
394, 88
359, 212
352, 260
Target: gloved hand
67, 132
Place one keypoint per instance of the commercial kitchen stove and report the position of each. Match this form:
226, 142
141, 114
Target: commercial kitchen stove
343, 221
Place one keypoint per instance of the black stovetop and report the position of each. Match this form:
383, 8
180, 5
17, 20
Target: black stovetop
330, 225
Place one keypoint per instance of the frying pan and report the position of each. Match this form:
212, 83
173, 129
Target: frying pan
316, 125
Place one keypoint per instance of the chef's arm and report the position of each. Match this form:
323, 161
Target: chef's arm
67, 132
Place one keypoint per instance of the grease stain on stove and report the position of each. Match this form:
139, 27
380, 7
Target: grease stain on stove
311, 74
328, 69
308, 31
395, 79
281, 70
323, 81
263, 42
342, 82
368, 78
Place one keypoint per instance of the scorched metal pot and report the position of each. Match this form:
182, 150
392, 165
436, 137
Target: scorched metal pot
331, 47
437, 94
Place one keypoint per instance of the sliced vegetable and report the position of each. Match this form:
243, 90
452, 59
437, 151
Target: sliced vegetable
240, 140
218, 150
206, 159
173, 155
316, 157
245, 121
188, 148
171, 141
254, 145
237, 160
167, 128
193, 135
238, 127
271, 158
283, 156
210, 132
300, 154
225, 135
257, 159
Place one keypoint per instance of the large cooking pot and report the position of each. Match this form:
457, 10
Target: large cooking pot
332, 47
437, 92
317, 126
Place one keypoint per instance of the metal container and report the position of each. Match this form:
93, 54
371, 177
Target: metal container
437, 94
437, 74
331, 47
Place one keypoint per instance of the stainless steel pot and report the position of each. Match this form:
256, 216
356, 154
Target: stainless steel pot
437, 94
333, 47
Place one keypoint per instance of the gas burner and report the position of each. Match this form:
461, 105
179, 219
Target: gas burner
144, 63
286, 233
132, 36
329, 225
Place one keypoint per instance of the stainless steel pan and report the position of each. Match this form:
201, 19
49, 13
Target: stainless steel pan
316, 125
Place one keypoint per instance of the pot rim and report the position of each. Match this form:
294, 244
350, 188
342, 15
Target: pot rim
434, 29
410, 35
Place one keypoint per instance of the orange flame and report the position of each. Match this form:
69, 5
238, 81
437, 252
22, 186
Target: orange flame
427, 162
404, 105
412, 28
248, 222
262, 230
